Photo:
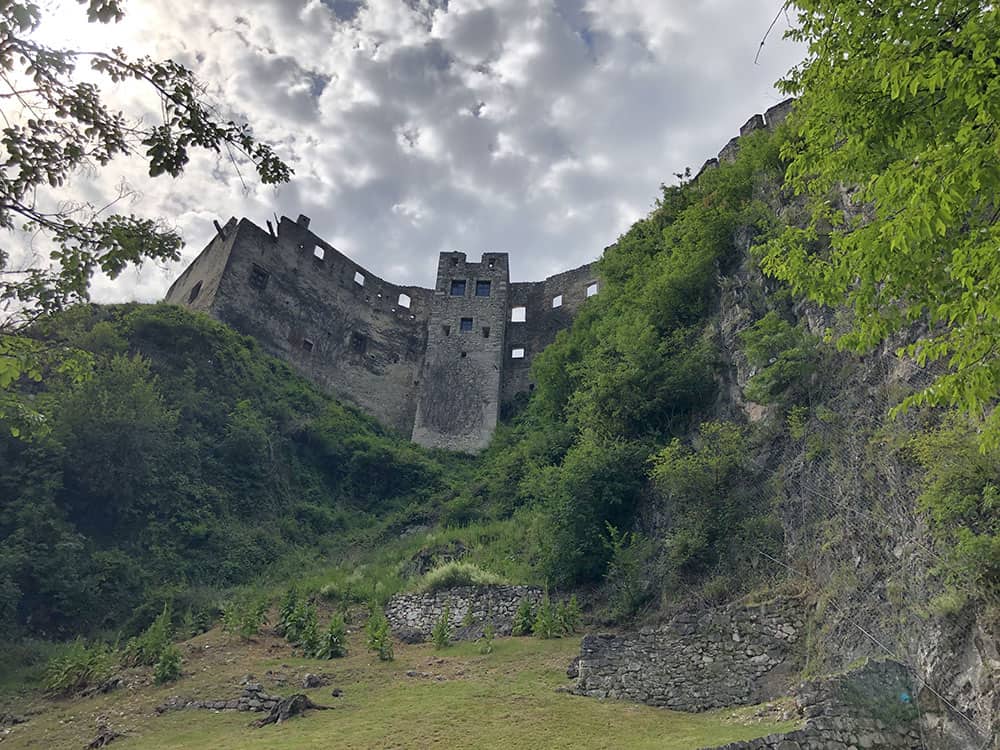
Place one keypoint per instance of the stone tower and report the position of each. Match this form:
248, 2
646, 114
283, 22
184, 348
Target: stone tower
458, 399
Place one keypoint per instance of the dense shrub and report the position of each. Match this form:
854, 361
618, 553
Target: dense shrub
79, 666
378, 637
458, 573
441, 632
961, 497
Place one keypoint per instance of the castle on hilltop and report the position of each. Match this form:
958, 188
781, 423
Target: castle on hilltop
436, 364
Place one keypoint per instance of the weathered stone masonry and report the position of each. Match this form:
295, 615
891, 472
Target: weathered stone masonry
732, 655
435, 364
415, 615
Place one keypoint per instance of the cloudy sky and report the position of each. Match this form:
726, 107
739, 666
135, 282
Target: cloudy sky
541, 128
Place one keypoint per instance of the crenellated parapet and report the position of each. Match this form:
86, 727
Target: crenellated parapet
770, 120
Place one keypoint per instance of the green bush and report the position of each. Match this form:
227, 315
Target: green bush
785, 355
146, 649
377, 634
441, 633
244, 616
524, 618
304, 629
458, 573
486, 642
287, 611
629, 579
333, 640
168, 667
546, 623
568, 615
961, 498
77, 667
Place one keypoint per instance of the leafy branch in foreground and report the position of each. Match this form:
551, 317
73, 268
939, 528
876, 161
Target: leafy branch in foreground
56, 125
901, 101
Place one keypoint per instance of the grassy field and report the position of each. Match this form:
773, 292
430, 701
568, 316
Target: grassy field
454, 698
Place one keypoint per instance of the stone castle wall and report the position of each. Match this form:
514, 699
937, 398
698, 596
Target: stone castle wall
434, 364
731, 655
401, 353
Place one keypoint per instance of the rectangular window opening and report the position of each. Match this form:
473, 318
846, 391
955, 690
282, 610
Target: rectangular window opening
465, 324
592, 289
359, 278
319, 253
458, 287
557, 301
517, 353
259, 277
307, 345
359, 343
486, 332
518, 314
446, 330
482, 289
404, 301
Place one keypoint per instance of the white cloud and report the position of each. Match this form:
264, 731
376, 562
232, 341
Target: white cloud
537, 127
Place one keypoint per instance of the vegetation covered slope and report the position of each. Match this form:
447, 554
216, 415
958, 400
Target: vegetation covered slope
190, 461
187, 459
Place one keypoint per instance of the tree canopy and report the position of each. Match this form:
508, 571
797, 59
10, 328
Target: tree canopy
897, 151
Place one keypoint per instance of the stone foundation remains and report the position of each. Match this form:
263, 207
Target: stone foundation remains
413, 616
731, 655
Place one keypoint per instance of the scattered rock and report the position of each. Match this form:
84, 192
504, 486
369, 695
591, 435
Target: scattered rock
311, 681
410, 635
247, 679
336, 692
105, 736
10, 720
573, 670
295, 705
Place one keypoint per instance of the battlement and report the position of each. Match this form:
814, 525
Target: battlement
436, 364
770, 120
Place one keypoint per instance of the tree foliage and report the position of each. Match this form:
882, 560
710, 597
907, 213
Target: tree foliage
58, 123
898, 125
189, 458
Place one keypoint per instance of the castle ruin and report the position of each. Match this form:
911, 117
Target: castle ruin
435, 364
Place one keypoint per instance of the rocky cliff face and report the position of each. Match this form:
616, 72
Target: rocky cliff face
846, 489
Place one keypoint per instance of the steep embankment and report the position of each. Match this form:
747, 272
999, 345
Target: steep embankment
189, 461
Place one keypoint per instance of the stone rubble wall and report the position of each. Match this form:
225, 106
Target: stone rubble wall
867, 708
254, 698
731, 655
414, 615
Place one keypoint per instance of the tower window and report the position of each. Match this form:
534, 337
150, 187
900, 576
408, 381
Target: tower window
359, 278
307, 345
518, 314
195, 291
465, 324
486, 332
517, 353
592, 289
404, 301
557, 301
446, 330
359, 343
458, 287
482, 289
319, 253
258, 278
